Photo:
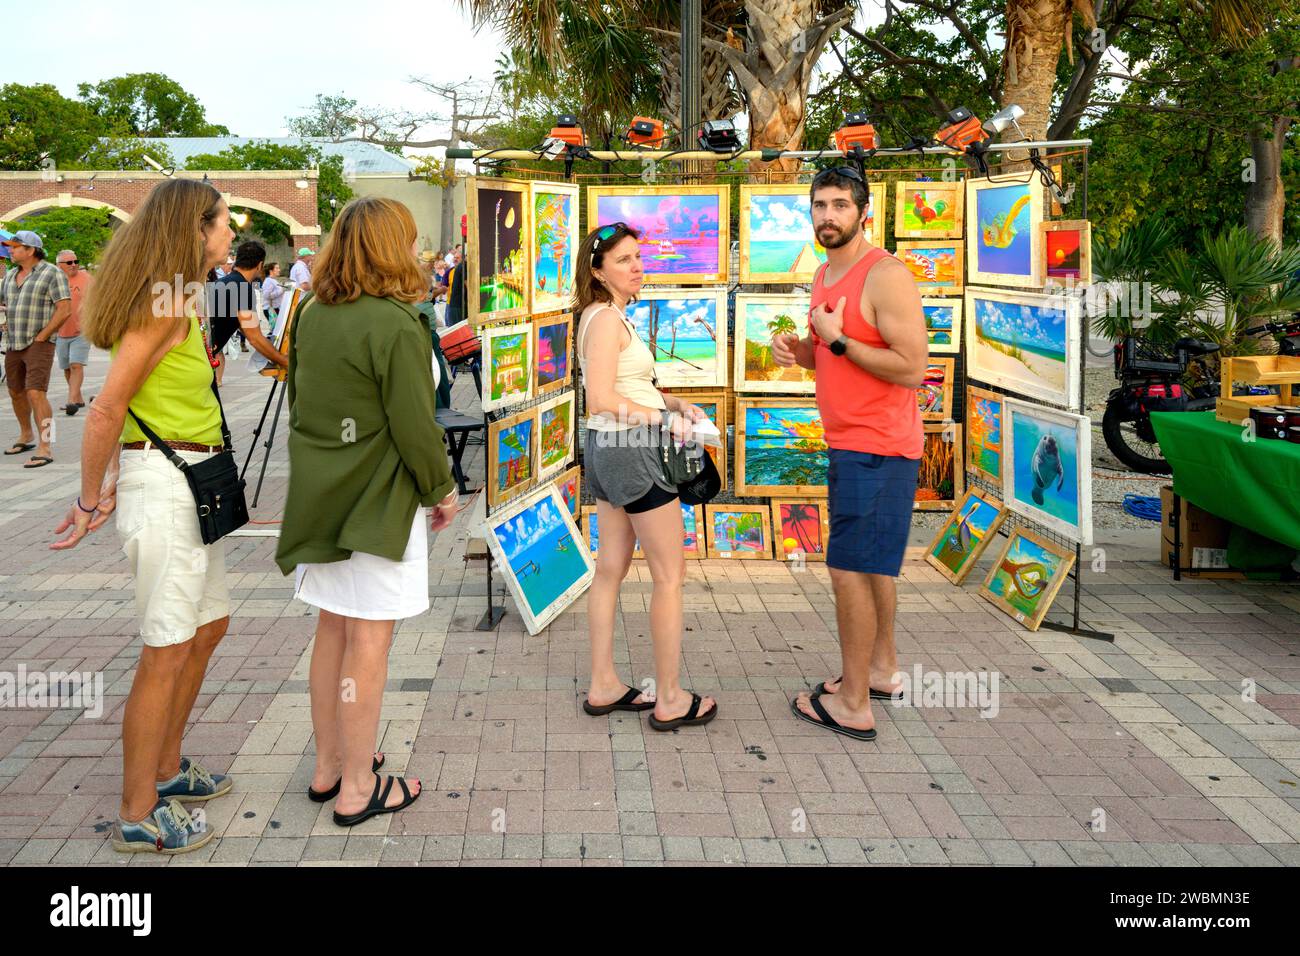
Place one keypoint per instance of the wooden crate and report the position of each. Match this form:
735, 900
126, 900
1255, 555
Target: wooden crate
1234, 410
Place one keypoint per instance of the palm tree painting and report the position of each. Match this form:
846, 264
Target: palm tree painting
799, 528
758, 319
554, 245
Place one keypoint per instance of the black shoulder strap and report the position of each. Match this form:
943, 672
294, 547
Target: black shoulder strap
162, 446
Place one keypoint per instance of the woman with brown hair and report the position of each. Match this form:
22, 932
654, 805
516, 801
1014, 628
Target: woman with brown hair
365, 459
144, 308
634, 501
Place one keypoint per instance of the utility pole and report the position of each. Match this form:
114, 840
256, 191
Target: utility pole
691, 76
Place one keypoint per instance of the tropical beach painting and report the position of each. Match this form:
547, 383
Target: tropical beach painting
686, 331
511, 453
1026, 342
800, 527
1025, 577
937, 267
683, 229
984, 433
1048, 474
737, 531
943, 324
570, 487
553, 248
1067, 251
1002, 246
508, 356
555, 430
934, 395
957, 548
551, 349
758, 318
693, 547
928, 210
776, 234
546, 563
940, 481
780, 448
498, 254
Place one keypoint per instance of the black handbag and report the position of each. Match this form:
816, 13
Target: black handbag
215, 483
689, 468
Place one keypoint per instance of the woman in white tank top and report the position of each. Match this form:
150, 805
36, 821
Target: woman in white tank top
625, 409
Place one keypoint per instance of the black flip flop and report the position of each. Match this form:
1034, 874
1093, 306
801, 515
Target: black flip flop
623, 703
325, 796
38, 461
688, 719
73, 407
18, 447
875, 694
829, 722
376, 805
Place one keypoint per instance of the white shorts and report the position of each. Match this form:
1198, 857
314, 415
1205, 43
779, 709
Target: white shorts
180, 582
371, 588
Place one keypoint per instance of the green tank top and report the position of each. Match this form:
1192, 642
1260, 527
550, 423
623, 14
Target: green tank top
176, 400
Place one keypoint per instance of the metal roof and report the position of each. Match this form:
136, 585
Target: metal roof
358, 158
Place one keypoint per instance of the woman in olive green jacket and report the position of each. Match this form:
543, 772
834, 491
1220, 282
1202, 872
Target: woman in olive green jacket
365, 459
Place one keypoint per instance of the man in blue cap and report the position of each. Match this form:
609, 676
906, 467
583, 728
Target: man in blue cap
37, 300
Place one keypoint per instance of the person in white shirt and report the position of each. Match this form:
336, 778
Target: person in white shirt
300, 274
272, 291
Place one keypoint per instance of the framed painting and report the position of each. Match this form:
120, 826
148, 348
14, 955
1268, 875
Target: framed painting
940, 482
984, 433
496, 270
758, 318
512, 453
1025, 342
556, 426
1066, 252
876, 203
714, 405
552, 245
546, 564
943, 324
570, 485
737, 531
777, 243
937, 267
1026, 576
683, 229
507, 365
591, 531
780, 448
1002, 245
552, 353
934, 396
686, 332
928, 209
693, 546
1048, 473
800, 526
957, 547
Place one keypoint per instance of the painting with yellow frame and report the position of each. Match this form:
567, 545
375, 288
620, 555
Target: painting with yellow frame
776, 234
496, 256
1026, 575
929, 209
683, 230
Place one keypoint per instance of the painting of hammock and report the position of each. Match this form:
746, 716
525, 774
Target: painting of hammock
1025, 577
686, 331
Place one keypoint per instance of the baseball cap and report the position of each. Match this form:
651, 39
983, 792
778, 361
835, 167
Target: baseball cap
704, 487
25, 237
304, 251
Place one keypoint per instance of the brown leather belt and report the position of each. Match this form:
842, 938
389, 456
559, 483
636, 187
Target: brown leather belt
175, 445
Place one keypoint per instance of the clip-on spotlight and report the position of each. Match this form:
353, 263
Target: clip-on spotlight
568, 140
1007, 119
645, 131
856, 138
962, 131
719, 136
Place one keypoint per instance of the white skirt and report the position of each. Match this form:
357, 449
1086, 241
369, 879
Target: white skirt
369, 587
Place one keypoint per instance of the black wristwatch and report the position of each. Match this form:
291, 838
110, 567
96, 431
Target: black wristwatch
840, 345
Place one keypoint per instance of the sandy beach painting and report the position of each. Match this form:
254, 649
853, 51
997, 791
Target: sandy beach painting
686, 331
1002, 243
1026, 342
776, 234
1048, 473
683, 229
943, 324
758, 318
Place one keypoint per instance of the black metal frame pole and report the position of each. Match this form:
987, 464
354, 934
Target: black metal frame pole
270, 440
494, 613
257, 432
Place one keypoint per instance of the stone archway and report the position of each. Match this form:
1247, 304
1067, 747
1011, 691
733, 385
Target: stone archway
296, 228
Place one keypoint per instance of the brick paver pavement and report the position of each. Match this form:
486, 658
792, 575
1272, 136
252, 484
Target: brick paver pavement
1147, 751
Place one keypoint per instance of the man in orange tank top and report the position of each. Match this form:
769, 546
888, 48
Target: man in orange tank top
868, 345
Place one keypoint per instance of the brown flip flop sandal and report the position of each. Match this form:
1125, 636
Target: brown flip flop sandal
623, 703
18, 447
38, 461
688, 719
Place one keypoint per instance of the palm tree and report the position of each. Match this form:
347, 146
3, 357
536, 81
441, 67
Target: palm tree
798, 515
782, 325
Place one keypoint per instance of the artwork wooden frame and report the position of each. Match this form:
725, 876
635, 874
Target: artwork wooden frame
501, 485
1056, 495
717, 402
954, 557
938, 266
569, 483
934, 396
590, 523
683, 309
1031, 611
554, 227
1058, 173
754, 356
1048, 234
655, 230
983, 421
281, 335
563, 408
803, 416
478, 189
544, 343
723, 549
780, 524
536, 544
1039, 373
955, 306
1002, 251
932, 192
507, 372
775, 244
877, 207
939, 466
700, 549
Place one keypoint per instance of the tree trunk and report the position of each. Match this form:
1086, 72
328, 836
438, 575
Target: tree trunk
717, 98
1265, 197
1036, 31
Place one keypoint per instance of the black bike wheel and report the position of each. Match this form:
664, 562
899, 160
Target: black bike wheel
1127, 445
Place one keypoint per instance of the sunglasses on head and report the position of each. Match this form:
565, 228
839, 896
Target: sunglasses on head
605, 233
849, 172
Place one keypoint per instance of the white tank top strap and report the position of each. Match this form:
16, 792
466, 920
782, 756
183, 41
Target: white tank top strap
584, 324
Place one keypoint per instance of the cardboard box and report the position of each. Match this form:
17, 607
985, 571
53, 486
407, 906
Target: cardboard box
1204, 539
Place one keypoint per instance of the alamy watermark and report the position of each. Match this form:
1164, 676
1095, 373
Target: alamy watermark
951, 689
53, 690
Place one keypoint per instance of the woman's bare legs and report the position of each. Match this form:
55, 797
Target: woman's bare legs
614, 557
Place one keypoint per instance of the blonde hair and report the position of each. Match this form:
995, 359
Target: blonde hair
369, 253
160, 245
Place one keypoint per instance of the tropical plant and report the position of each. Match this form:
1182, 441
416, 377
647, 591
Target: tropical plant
782, 325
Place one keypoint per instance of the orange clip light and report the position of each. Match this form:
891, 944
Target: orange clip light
567, 130
961, 129
856, 131
646, 131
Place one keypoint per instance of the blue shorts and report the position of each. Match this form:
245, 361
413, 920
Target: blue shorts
871, 499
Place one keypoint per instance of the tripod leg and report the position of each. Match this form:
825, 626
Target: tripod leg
269, 442
257, 432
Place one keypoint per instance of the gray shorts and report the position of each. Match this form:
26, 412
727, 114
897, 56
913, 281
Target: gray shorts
71, 350
621, 467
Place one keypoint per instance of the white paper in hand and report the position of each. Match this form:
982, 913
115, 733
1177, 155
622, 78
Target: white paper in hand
706, 433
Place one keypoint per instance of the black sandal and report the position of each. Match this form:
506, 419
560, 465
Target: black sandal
688, 719
623, 703
376, 806
18, 447
829, 722
325, 796
875, 694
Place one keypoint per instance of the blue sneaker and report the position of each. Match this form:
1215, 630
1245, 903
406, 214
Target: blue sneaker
194, 784
168, 830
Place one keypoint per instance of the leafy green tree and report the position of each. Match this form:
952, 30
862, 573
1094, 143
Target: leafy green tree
85, 231
148, 104
123, 152
39, 125
266, 155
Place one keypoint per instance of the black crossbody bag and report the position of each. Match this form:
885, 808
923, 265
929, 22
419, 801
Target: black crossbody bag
215, 483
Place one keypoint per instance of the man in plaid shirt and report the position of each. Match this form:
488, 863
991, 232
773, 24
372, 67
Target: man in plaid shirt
37, 300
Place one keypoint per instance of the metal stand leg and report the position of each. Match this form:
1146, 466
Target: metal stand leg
1074, 628
257, 432
495, 612
1176, 518
269, 442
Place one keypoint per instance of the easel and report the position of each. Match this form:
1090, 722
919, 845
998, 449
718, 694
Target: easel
280, 383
